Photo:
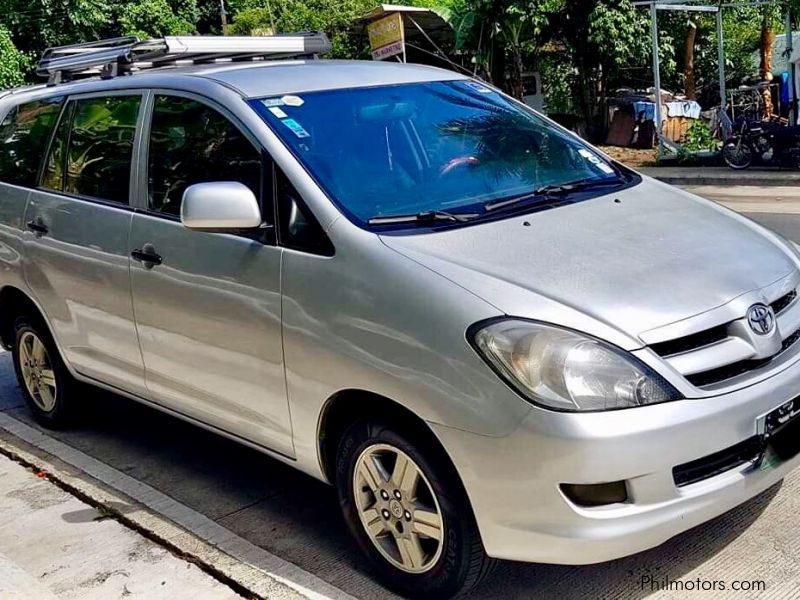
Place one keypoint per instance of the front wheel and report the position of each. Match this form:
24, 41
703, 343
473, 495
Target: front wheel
737, 154
408, 512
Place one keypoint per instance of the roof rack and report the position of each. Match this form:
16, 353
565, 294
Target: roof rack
121, 56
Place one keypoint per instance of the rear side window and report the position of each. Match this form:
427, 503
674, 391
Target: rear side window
93, 147
24, 134
193, 143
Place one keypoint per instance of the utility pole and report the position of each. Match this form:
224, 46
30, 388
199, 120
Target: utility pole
223, 17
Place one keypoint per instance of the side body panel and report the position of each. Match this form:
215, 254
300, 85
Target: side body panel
209, 324
13, 202
79, 275
370, 319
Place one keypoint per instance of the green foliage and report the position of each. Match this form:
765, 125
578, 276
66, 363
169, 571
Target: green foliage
334, 17
38, 24
602, 38
584, 48
700, 137
153, 18
13, 63
741, 30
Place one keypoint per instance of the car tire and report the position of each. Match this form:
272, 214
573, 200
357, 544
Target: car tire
46, 384
397, 530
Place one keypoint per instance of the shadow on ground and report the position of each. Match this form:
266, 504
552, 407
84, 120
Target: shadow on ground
297, 518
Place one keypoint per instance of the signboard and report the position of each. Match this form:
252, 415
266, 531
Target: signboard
386, 36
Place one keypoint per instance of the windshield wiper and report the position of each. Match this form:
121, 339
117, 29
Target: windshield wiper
555, 192
423, 217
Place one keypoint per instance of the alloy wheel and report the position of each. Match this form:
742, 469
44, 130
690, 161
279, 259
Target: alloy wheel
398, 508
37, 371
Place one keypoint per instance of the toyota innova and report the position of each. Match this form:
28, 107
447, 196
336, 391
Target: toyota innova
495, 341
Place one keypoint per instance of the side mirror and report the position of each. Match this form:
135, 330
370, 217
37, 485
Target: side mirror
220, 206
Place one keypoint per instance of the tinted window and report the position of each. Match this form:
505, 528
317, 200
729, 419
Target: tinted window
100, 147
298, 228
192, 143
24, 134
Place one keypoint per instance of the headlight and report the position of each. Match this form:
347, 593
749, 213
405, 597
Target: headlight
567, 371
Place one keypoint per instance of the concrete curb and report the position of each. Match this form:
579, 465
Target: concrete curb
721, 176
249, 570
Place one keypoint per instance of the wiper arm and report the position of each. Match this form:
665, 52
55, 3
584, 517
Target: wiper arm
554, 192
423, 217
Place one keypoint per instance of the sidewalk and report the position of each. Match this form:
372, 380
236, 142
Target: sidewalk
53, 545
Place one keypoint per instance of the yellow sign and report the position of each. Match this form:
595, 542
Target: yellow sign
386, 36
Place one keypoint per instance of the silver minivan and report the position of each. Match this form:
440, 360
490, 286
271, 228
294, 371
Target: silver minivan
496, 342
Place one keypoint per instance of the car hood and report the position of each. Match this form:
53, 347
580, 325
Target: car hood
615, 266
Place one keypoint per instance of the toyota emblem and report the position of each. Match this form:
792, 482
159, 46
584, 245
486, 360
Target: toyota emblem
761, 319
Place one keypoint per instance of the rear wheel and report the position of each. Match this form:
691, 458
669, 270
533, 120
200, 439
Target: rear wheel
45, 381
407, 509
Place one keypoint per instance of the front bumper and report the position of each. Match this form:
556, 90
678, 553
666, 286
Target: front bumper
513, 482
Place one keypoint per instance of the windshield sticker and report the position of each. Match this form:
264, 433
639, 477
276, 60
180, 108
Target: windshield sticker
479, 87
268, 102
595, 161
277, 112
296, 128
293, 101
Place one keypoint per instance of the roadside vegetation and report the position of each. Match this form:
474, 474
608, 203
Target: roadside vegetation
584, 48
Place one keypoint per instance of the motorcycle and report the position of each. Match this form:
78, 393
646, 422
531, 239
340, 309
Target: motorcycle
764, 143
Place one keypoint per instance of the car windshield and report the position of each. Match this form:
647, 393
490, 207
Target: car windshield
428, 148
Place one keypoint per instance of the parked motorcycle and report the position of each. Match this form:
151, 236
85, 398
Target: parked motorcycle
762, 142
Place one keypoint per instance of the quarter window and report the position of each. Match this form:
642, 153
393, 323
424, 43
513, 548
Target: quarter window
24, 133
191, 143
93, 147
298, 229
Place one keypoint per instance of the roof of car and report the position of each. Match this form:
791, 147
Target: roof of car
267, 78
281, 77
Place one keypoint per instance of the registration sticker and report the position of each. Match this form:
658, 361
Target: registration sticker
296, 128
595, 161
268, 102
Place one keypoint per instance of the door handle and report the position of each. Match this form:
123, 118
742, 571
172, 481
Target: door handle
147, 256
38, 227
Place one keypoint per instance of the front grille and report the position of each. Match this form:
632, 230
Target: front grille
739, 368
691, 342
783, 303
719, 462
717, 354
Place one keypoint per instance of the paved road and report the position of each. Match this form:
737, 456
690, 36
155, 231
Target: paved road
753, 199
297, 518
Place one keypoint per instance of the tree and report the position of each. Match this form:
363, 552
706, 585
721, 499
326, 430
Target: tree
155, 18
603, 37
334, 17
13, 63
688, 64
769, 16
502, 34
